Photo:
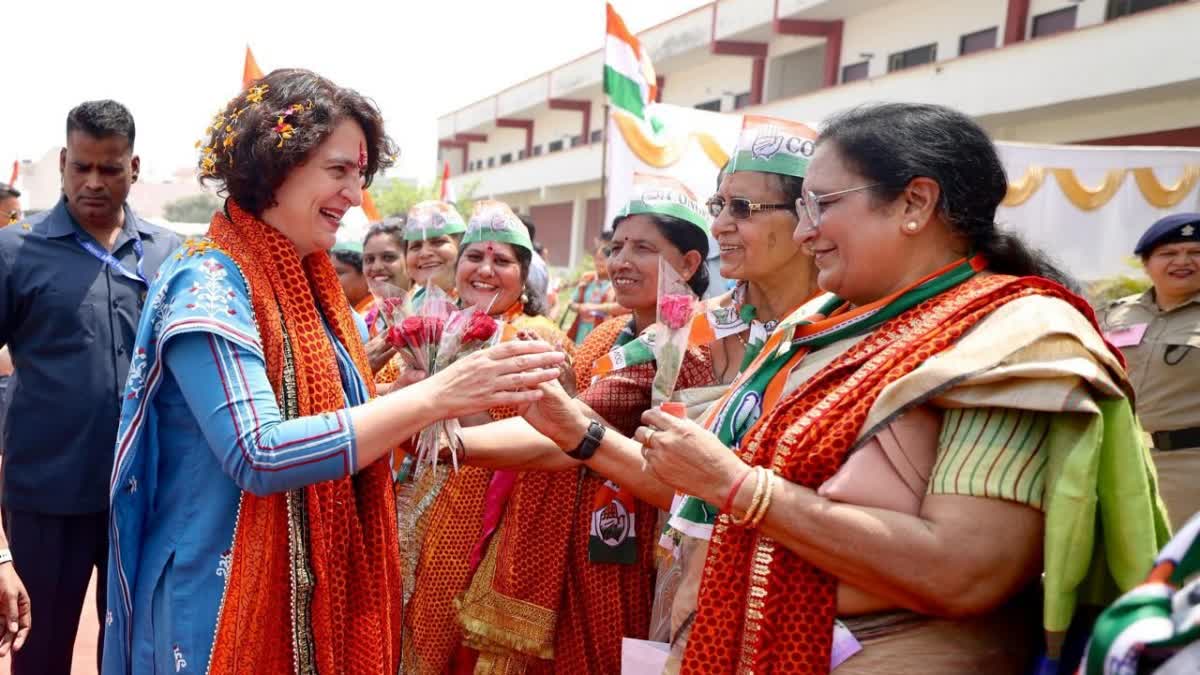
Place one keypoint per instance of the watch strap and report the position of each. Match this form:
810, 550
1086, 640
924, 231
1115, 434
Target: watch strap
591, 441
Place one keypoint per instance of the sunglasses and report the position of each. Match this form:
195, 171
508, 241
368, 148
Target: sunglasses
741, 208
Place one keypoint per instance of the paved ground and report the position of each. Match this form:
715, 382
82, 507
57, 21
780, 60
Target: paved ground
84, 662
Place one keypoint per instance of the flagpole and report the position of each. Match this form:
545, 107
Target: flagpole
604, 134
604, 167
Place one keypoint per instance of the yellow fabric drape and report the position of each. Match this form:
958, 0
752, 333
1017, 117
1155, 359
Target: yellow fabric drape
1164, 196
1084, 197
1087, 198
664, 155
1019, 191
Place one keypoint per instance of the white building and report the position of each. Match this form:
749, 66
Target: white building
1116, 72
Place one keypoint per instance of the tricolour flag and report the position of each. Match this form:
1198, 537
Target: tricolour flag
629, 79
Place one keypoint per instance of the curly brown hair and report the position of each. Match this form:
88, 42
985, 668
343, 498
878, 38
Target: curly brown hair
273, 126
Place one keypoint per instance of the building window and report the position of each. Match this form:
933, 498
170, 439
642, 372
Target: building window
855, 71
554, 146
597, 135
537, 151
713, 105
912, 57
576, 141
978, 41
741, 101
1120, 8
506, 158
1058, 21
520, 154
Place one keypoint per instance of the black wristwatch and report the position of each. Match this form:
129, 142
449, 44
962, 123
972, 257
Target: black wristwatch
591, 441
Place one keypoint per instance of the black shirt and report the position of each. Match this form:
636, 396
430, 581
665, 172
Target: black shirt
69, 321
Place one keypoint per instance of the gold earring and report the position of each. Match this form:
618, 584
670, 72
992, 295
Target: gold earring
911, 226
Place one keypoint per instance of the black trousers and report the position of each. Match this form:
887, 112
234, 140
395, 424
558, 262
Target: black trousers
54, 556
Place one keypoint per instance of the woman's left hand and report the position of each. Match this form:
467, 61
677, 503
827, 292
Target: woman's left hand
687, 456
379, 352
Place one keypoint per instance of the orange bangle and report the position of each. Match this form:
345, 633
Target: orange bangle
734, 490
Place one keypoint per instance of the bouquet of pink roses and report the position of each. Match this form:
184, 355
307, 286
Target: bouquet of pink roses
676, 307
467, 331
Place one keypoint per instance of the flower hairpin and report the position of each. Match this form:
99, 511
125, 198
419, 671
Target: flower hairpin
283, 127
256, 93
208, 163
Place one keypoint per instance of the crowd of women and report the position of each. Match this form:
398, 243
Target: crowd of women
907, 445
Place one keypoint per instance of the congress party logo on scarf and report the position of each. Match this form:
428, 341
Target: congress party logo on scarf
613, 534
760, 385
709, 326
1155, 620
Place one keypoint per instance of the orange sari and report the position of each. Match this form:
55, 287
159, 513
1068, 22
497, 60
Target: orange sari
761, 607
315, 572
453, 529
538, 604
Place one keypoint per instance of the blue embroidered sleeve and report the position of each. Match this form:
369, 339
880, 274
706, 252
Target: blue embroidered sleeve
226, 387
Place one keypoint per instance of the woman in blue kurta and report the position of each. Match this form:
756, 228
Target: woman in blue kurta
252, 527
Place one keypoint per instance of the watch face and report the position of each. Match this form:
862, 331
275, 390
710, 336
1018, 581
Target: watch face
595, 431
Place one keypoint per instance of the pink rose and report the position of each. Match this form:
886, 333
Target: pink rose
675, 310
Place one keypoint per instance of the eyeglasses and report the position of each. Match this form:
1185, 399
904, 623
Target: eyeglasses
810, 204
742, 208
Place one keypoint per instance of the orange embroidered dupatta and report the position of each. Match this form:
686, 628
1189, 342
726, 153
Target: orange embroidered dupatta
314, 583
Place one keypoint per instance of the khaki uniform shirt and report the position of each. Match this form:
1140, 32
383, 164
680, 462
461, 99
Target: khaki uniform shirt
1163, 354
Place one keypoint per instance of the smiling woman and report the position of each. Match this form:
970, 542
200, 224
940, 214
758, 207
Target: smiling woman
1159, 333
253, 527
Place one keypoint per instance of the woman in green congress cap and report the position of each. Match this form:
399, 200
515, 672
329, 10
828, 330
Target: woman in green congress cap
449, 515
432, 234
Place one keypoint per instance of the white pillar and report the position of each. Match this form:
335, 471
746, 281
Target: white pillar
578, 228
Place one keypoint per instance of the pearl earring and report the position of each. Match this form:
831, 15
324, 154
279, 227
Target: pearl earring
911, 226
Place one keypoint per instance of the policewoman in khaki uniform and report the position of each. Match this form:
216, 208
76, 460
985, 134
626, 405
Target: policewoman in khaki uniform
1159, 333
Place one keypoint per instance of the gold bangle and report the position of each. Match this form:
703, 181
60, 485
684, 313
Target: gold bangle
754, 501
753, 514
766, 502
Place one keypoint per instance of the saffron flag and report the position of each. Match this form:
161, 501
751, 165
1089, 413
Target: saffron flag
251, 73
447, 190
629, 79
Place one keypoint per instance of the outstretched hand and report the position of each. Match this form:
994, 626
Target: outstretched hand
557, 417
509, 374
